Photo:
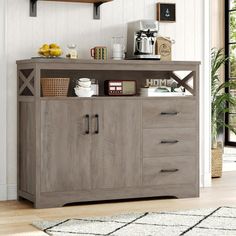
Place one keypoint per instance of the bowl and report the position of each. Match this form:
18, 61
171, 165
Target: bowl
84, 79
83, 93
85, 84
83, 88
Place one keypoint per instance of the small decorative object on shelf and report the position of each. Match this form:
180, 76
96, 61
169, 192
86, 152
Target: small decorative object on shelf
166, 12
95, 87
120, 87
159, 82
161, 87
164, 48
118, 48
99, 53
72, 51
55, 87
83, 88
50, 50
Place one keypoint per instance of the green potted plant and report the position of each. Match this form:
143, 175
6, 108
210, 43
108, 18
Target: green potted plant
220, 105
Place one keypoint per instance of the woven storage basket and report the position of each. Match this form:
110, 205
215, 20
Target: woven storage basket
216, 168
55, 87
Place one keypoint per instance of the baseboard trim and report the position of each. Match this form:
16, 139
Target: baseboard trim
3, 192
205, 180
229, 157
11, 192
8, 192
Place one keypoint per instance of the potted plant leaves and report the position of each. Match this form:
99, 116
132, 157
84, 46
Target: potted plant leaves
221, 104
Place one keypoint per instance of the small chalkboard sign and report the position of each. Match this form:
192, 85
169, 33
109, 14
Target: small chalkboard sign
166, 12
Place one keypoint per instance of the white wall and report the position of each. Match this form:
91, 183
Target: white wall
72, 22
218, 28
3, 110
218, 23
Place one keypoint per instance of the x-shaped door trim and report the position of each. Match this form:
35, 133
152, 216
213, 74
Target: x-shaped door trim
26, 82
183, 82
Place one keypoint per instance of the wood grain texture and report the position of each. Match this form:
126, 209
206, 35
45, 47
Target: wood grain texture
155, 171
153, 138
169, 112
80, 62
66, 148
107, 164
47, 200
27, 147
116, 153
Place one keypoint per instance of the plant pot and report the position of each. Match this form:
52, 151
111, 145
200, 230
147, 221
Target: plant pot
217, 161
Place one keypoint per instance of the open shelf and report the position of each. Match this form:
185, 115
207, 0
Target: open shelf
96, 4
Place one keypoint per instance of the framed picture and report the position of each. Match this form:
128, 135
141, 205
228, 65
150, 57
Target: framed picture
166, 12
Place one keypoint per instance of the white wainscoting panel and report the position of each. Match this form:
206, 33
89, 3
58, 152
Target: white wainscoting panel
66, 23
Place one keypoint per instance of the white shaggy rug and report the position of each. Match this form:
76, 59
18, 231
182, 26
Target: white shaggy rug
205, 222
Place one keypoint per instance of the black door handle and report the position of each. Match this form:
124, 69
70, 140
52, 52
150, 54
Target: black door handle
169, 113
88, 124
97, 118
169, 141
169, 170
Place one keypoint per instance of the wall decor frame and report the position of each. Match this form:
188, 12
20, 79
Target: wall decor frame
166, 12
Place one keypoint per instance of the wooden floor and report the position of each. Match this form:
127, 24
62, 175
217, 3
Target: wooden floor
15, 217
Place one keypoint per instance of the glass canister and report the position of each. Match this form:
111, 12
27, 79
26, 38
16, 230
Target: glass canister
72, 51
118, 48
95, 87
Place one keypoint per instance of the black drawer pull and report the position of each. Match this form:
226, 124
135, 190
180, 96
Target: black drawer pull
169, 113
97, 117
169, 170
169, 141
88, 124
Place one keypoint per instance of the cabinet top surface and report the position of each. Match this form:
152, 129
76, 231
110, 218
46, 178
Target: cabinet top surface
106, 62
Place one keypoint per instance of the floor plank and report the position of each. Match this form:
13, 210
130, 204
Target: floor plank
16, 217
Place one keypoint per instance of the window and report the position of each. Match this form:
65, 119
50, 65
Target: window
230, 68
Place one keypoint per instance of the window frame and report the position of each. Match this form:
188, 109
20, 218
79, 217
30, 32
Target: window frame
228, 142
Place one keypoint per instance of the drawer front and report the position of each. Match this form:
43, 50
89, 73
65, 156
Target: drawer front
169, 112
169, 170
165, 142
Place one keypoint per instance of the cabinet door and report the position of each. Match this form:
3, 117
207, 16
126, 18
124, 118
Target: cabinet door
65, 146
116, 153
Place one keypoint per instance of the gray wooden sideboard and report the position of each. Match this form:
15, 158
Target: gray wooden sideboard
143, 147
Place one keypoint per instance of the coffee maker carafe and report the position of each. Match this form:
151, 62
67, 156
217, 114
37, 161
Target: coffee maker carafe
145, 43
141, 43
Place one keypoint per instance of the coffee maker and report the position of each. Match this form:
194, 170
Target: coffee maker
141, 41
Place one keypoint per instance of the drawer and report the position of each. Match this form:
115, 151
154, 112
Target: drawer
169, 112
173, 141
169, 170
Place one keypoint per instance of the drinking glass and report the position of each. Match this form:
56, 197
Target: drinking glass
118, 48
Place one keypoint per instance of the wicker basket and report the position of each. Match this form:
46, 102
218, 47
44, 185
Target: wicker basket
216, 160
55, 87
